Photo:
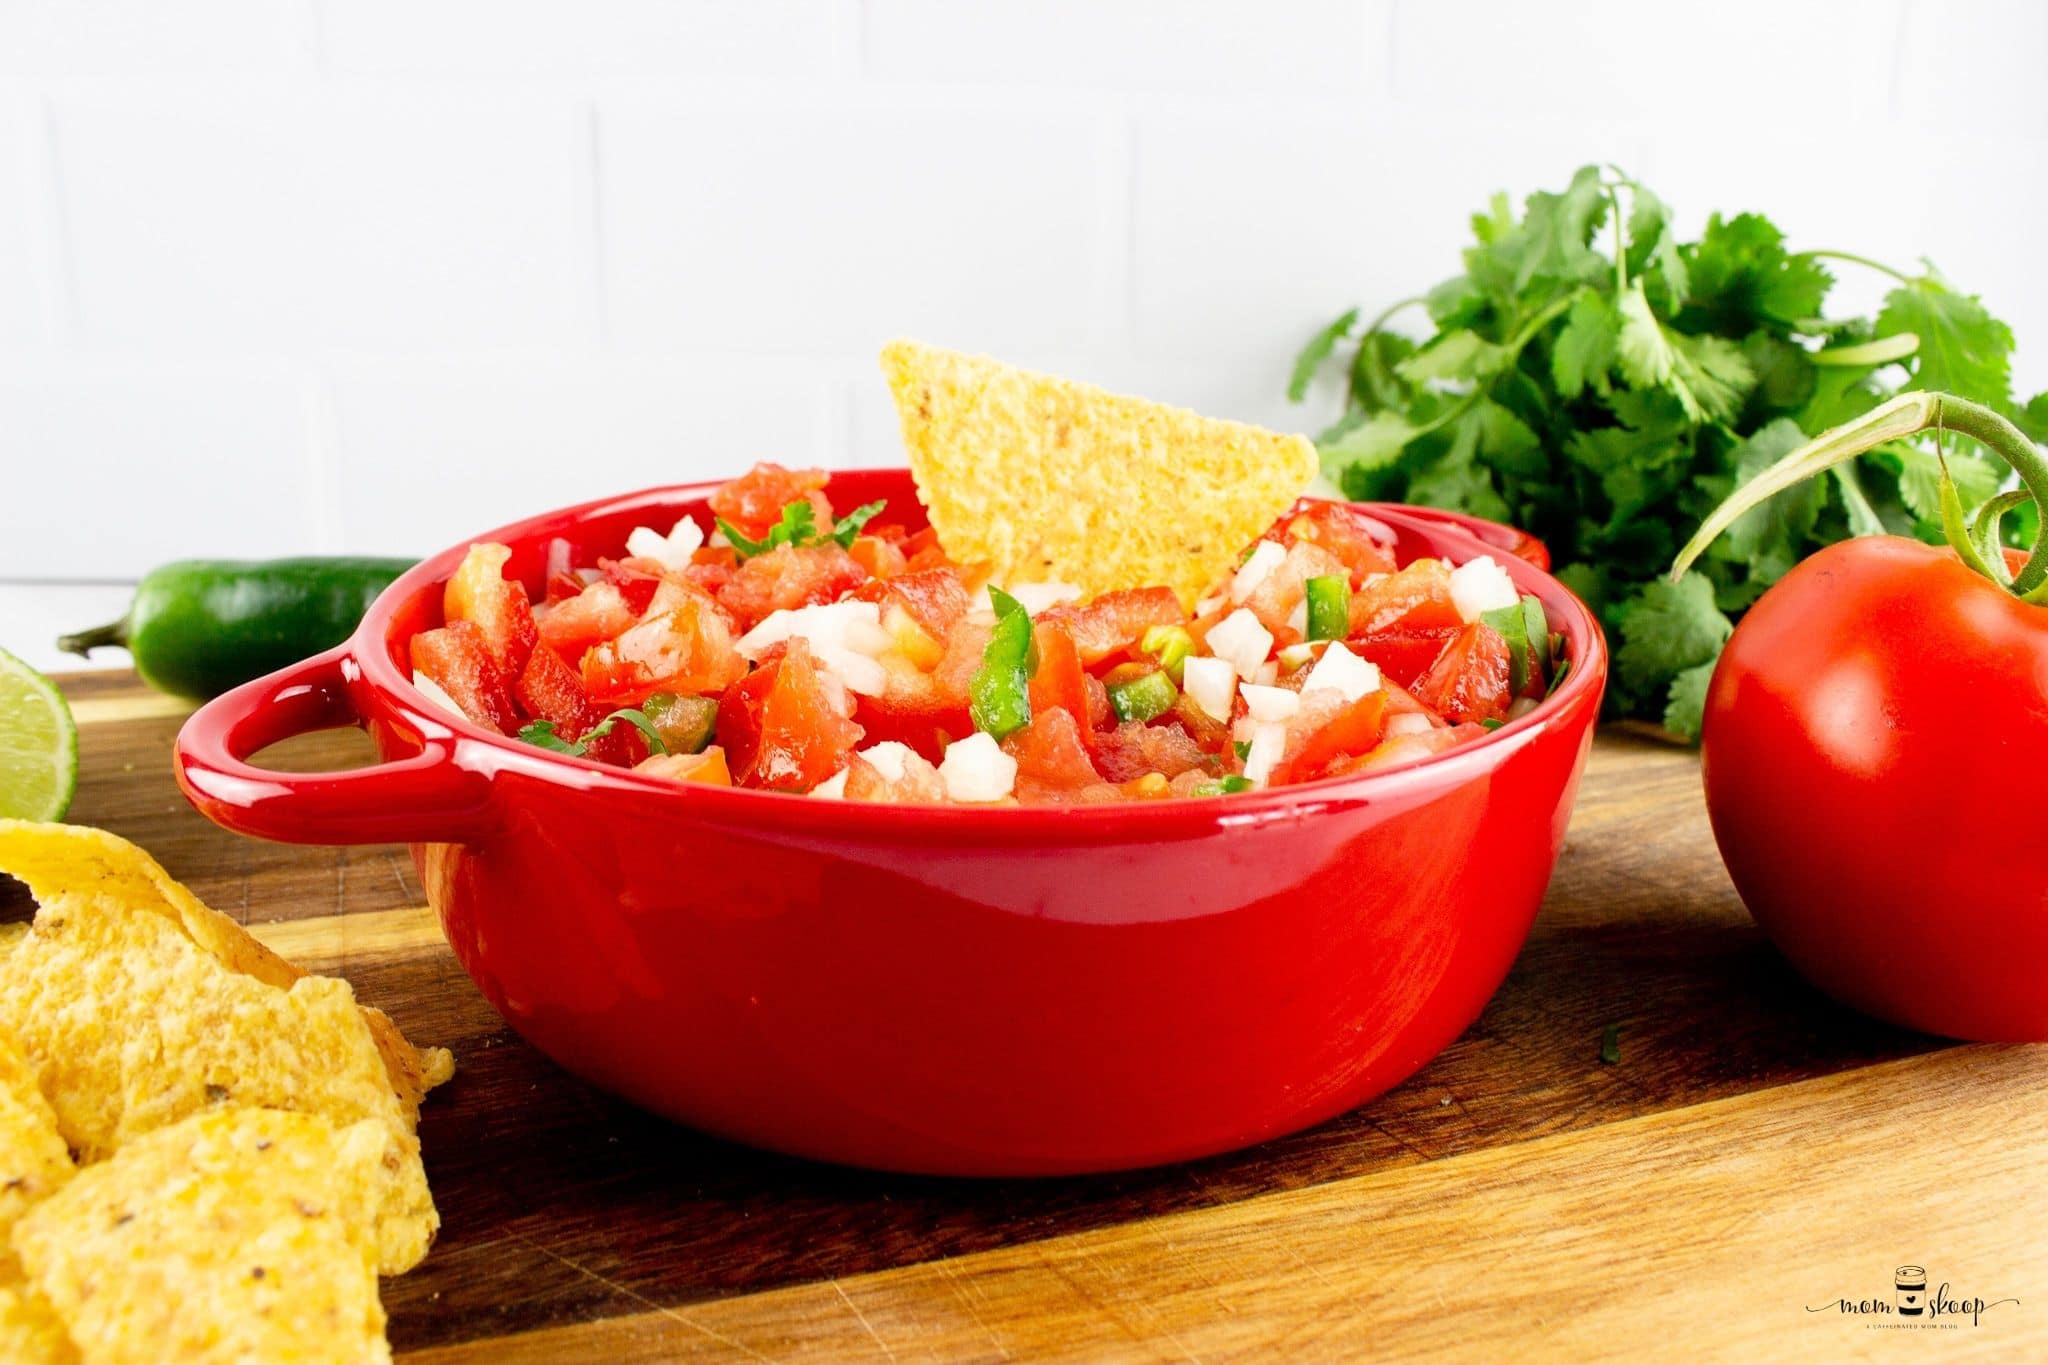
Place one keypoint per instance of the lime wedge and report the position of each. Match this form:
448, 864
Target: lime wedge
38, 745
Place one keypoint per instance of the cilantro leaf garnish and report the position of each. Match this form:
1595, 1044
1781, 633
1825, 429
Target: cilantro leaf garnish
799, 527
1600, 379
541, 733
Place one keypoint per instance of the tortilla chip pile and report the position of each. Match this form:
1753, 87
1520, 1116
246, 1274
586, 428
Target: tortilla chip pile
1047, 480
244, 1134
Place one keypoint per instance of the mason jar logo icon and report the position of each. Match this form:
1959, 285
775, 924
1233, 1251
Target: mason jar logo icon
1912, 1284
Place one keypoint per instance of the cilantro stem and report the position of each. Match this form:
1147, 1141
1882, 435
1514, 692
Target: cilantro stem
1386, 315
1904, 416
1620, 246
1882, 351
1853, 259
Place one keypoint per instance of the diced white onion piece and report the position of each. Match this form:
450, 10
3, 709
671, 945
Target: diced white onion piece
672, 550
1269, 742
1240, 638
1522, 706
1241, 730
976, 769
1212, 603
1266, 704
887, 758
1267, 673
1408, 723
1296, 656
1344, 673
1481, 585
1297, 620
833, 788
857, 672
1267, 556
851, 627
1210, 683
434, 693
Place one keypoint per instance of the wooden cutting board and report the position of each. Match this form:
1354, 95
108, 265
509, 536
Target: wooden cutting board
1755, 1155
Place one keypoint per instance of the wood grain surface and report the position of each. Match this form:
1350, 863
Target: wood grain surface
1755, 1152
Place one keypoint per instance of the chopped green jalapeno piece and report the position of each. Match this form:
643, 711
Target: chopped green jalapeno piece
1243, 749
1171, 645
1329, 607
999, 697
1225, 786
1139, 693
684, 723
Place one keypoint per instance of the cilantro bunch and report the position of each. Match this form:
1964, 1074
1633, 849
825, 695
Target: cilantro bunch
1603, 384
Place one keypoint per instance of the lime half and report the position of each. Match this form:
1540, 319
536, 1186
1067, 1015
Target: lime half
38, 745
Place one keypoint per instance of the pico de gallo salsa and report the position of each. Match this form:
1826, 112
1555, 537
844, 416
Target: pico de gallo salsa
794, 649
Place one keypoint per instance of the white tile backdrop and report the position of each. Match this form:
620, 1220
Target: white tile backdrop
375, 274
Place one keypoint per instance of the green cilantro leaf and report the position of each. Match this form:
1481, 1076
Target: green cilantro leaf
1316, 352
1669, 627
799, 527
1585, 349
1739, 279
850, 525
1686, 701
541, 733
1963, 349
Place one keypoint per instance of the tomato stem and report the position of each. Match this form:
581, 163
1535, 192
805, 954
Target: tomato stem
1908, 415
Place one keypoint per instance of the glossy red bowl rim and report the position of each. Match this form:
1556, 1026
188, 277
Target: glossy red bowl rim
371, 651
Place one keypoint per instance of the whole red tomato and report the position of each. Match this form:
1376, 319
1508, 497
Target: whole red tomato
1875, 735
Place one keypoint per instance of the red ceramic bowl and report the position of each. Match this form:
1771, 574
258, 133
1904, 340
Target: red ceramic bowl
944, 990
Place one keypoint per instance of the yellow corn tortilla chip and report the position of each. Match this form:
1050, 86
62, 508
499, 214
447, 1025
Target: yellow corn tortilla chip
1047, 480
34, 1160
30, 1332
232, 1235
133, 1024
51, 859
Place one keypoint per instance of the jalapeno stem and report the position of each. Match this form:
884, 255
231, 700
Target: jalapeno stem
85, 642
1908, 415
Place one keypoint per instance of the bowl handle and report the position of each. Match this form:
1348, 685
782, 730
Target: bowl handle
1518, 543
428, 796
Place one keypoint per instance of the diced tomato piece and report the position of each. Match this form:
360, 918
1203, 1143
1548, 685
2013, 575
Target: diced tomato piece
1403, 654
1352, 731
1134, 749
712, 578
459, 661
1060, 681
478, 593
549, 689
1052, 760
919, 610
782, 728
562, 587
688, 647
753, 502
881, 558
599, 612
1114, 622
636, 579
788, 577
708, 767
1273, 601
1416, 598
935, 598
1470, 681
1210, 733
926, 710
1344, 531
920, 783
